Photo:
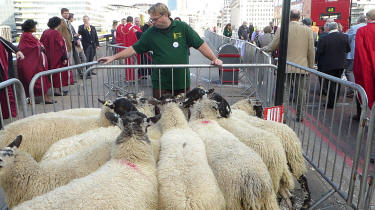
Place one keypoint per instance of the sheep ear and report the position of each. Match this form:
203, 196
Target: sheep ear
112, 117
154, 119
16, 142
101, 101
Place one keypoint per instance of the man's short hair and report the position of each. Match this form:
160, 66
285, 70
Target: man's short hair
54, 22
267, 29
332, 26
371, 14
294, 14
85, 16
361, 19
129, 19
307, 21
71, 16
159, 8
64, 10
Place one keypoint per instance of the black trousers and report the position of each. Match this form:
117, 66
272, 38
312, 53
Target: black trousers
332, 86
90, 52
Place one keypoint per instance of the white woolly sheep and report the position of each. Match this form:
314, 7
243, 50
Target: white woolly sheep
84, 141
244, 110
265, 143
41, 131
127, 181
186, 181
22, 178
241, 173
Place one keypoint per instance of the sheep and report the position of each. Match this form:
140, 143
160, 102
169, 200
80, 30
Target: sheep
266, 144
241, 173
41, 131
243, 109
186, 181
84, 141
19, 166
127, 181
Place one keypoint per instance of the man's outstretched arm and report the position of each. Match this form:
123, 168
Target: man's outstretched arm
128, 52
207, 52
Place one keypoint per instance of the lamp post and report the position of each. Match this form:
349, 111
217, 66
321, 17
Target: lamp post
283, 49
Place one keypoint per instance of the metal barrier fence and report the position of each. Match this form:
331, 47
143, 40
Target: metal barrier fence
231, 90
12, 96
250, 54
318, 108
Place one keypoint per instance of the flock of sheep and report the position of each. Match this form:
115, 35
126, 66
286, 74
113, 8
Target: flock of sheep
198, 153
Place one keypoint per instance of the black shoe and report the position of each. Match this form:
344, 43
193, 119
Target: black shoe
64, 93
51, 102
93, 73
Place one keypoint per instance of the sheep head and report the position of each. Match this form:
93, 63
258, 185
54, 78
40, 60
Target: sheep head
223, 105
257, 106
7, 154
120, 106
131, 123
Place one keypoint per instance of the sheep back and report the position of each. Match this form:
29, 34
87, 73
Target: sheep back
241, 174
185, 179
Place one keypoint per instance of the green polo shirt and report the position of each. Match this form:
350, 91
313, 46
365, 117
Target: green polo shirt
169, 47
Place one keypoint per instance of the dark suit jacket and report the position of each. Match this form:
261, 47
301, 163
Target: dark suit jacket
88, 38
331, 52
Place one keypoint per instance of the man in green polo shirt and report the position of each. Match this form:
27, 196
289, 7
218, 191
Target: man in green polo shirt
169, 40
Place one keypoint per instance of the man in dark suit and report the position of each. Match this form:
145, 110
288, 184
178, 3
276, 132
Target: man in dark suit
89, 39
331, 53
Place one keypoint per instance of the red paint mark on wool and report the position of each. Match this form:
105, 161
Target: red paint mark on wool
205, 121
131, 165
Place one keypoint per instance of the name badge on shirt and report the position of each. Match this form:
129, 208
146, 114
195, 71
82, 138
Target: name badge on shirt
175, 44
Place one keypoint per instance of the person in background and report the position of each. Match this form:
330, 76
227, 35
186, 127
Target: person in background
266, 38
137, 23
364, 58
228, 30
65, 30
273, 28
78, 53
57, 55
300, 51
113, 31
255, 35
308, 22
169, 41
35, 61
331, 54
350, 57
90, 41
243, 31
120, 34
251, 30
6, 63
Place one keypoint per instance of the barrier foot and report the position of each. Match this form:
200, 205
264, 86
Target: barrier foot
325, 197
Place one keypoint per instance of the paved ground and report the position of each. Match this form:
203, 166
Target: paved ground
107, 84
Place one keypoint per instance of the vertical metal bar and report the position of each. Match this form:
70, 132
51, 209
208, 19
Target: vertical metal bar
16, 100
172, 83
8, 103
159, 84
44, 100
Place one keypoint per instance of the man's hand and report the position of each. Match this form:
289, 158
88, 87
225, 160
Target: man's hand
19, 55
106, 60
65, 62
217, 62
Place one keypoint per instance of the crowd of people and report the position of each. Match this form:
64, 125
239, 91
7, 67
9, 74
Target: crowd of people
335, 52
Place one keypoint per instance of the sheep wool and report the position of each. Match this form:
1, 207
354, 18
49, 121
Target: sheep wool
41, 131
289, 138
46, 176
186, 181
127, 181
241, 173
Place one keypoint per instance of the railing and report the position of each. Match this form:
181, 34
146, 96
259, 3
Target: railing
331, 139
13, 93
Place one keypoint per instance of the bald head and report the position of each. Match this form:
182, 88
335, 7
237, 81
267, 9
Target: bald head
371, 15
294, 15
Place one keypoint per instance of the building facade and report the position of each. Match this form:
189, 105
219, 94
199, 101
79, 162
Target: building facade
258, 12
7, 16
